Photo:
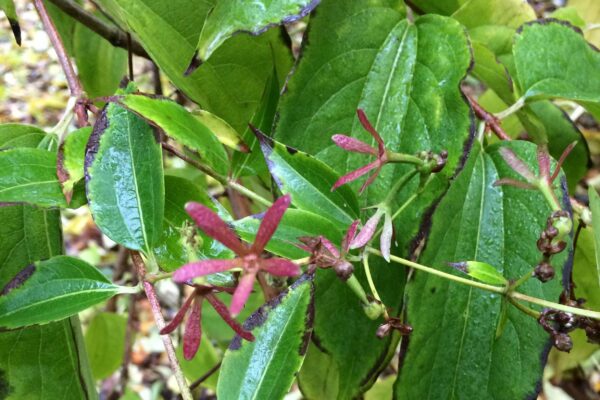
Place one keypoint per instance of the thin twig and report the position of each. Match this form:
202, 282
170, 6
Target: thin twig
114, 35
186, 394
204, 377
490, 120
72, 79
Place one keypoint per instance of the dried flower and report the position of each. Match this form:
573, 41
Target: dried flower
249, 257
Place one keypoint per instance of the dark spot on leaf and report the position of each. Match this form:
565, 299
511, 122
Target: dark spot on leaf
291, 150
18, 280
93, 143
433, 290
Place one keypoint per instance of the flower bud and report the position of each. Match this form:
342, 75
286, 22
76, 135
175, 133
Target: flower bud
373, 310
383, 330
343, 270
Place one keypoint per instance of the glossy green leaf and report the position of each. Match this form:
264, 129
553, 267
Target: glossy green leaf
553, 60
295, 224
125, 186
265, 368
105, 343
51, 290
229, 17
309, 182
481, 271
29, 176
407, 81
230, 84
18, 135
453, 351
53, 353
73, 156
100, 65
222, 130
595, 209
173, 249
8, 6
182, 126
253, 162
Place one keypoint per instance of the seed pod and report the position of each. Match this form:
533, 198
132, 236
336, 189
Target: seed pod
563, 342
343, 270
544, 271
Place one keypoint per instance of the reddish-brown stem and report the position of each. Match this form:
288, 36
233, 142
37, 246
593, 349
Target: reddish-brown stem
72, 78
160, 323
488, 118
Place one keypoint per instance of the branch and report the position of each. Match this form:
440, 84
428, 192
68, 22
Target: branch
160, 323
72, 78
114, 35
490, 120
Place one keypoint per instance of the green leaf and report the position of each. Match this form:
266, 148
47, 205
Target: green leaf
265, 368
493, 22
51, 353
29, 176
173, 249
309, 182
181, 125
453, 351
230, 84
125, 185
105, 343
553, 60
224, 132
8, 6
18, 135
73, 156
446, 7
230, 17
295, 224
398, 73
481, 271
100, 65
253, 162
51, 290
206, 358
595, 209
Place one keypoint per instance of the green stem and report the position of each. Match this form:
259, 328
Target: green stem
249, 193
549, 195
398, 186
158, 277
495, 289
372, 284
511, 110
433, 271
525, 309
403, 158
301, 261
521, 280
556, 306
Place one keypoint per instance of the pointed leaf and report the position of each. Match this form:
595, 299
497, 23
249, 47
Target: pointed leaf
29, 234
309, 182
52, 290
295, 224
181, 125
454, 341
481, 271
8, 6
125, 186
71, 157
266, 367
29, 176
233, 16
105, 343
